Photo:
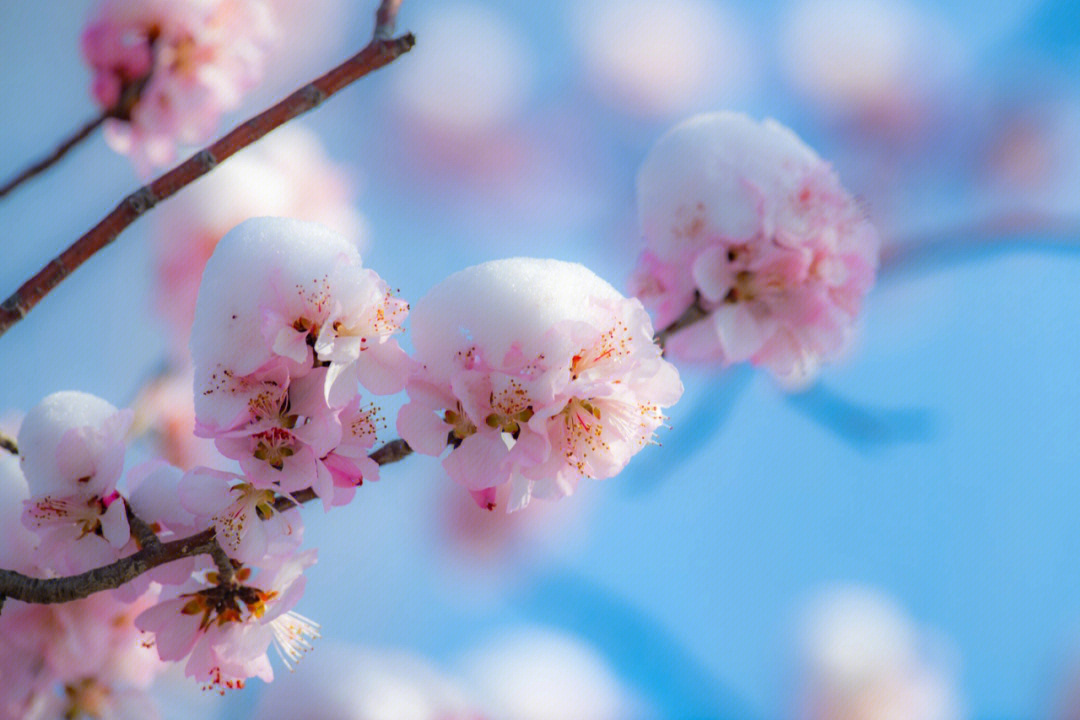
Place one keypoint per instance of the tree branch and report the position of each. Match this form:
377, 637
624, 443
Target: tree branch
8, 443
151, 555
52, 158
691, 315
378, 53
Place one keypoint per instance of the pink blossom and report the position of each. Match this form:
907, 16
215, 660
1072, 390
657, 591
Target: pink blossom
536, 372
247, 525
72, 448
165, 71
287, 327
227, 629
746, 218
88, 649
165, 420
287, 174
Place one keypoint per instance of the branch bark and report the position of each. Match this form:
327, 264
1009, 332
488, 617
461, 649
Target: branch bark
55, 156
8, 443
378, 53
152, 554
691, 315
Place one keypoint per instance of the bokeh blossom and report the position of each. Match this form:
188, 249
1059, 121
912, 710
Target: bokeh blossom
537, 373
747, 222
165, 71
862, 658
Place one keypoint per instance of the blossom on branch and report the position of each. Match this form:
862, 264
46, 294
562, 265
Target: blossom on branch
287, 325
537, 373
72, 446
225, 628
747, 222
165, 71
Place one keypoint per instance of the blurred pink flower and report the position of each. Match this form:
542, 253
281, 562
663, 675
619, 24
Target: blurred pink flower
166, 70
862, 658
750, 221
538, 373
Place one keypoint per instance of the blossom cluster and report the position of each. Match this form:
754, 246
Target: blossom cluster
527, 375
744, 220
165, 71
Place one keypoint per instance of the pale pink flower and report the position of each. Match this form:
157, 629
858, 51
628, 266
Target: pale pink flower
165, 419
294, 293
165, 71
247, 525
536, 372
862, 658
78, 659
72, 448
287, 327
17, 543
227, 629
748, 219
350, 683
286, 174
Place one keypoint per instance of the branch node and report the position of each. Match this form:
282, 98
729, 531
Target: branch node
206, 160
142, 200
14, 306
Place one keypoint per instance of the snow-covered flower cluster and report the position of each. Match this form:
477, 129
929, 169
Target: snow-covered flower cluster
536, 373
165, 70
288, 324
286, 174
747, 222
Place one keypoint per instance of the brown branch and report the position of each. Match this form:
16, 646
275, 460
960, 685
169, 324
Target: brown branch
8, 443
691, 315
378, 53
52, 158
151, 555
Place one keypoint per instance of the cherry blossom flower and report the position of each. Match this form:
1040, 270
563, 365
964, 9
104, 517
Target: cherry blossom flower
164, 419
862, 658
248, 527
72, 448
225, 629
165, 71
79, 659
536, 372
279, 356
748, 221
286, 174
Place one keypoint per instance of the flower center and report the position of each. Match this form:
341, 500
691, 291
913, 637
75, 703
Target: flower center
273, 446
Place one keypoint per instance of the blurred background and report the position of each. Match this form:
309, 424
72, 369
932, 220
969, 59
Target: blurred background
899, 541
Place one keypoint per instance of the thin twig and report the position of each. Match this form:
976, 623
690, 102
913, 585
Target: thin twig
378, 53
65, 589
144, 534
8, 443
52, 158
692, 314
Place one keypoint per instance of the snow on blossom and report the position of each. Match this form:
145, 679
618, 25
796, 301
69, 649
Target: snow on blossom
224, 630
286, 174
750, 223
247, 525
72, 447
288, 324
537, 372
861, 657
165, 71
348, 683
